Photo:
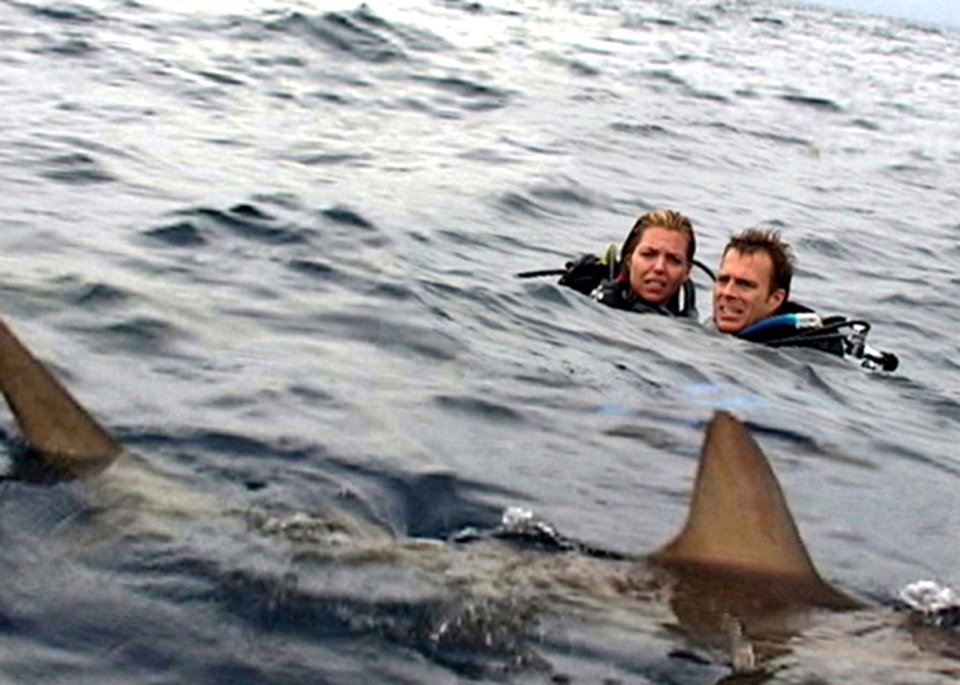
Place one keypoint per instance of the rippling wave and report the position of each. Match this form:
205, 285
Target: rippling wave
272, 246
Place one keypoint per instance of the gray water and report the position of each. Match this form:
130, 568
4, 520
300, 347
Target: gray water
272, 246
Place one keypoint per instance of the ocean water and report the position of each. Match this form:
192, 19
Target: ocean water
272, 246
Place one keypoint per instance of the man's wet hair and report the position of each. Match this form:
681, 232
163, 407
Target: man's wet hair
657, 218
754, 240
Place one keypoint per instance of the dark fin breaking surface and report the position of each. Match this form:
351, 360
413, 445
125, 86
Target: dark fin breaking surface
54, 425
739, 523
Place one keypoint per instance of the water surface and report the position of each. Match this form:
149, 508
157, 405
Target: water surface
272, 246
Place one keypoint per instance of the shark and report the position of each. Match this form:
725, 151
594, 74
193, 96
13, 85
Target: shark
54, 425
737, 577
62, 440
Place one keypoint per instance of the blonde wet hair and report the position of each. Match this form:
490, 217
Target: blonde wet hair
658, 218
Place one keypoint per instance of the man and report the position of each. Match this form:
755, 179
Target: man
754, 280
753, 289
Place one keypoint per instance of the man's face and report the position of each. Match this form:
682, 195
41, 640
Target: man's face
658, 264
743, 292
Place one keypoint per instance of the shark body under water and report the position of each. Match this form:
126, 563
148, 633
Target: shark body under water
737, 579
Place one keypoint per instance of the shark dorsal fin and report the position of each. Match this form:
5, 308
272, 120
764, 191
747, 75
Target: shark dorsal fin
738, 519
53, 423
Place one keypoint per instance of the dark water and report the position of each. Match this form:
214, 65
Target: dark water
272, 247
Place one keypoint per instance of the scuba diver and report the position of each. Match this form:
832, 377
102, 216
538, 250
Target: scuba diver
750, 297
651, 275
751, 300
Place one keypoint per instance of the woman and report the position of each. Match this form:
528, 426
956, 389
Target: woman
654, 267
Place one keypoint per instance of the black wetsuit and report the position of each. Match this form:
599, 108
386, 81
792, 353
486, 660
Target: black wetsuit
616, 293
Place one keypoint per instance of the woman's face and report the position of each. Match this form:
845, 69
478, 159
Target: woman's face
659, 264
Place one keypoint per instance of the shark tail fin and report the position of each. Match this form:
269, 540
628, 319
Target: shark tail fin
52, 422
739, 521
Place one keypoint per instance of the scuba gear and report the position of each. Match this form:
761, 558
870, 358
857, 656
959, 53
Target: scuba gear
834, 334
794, 325
587, 273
